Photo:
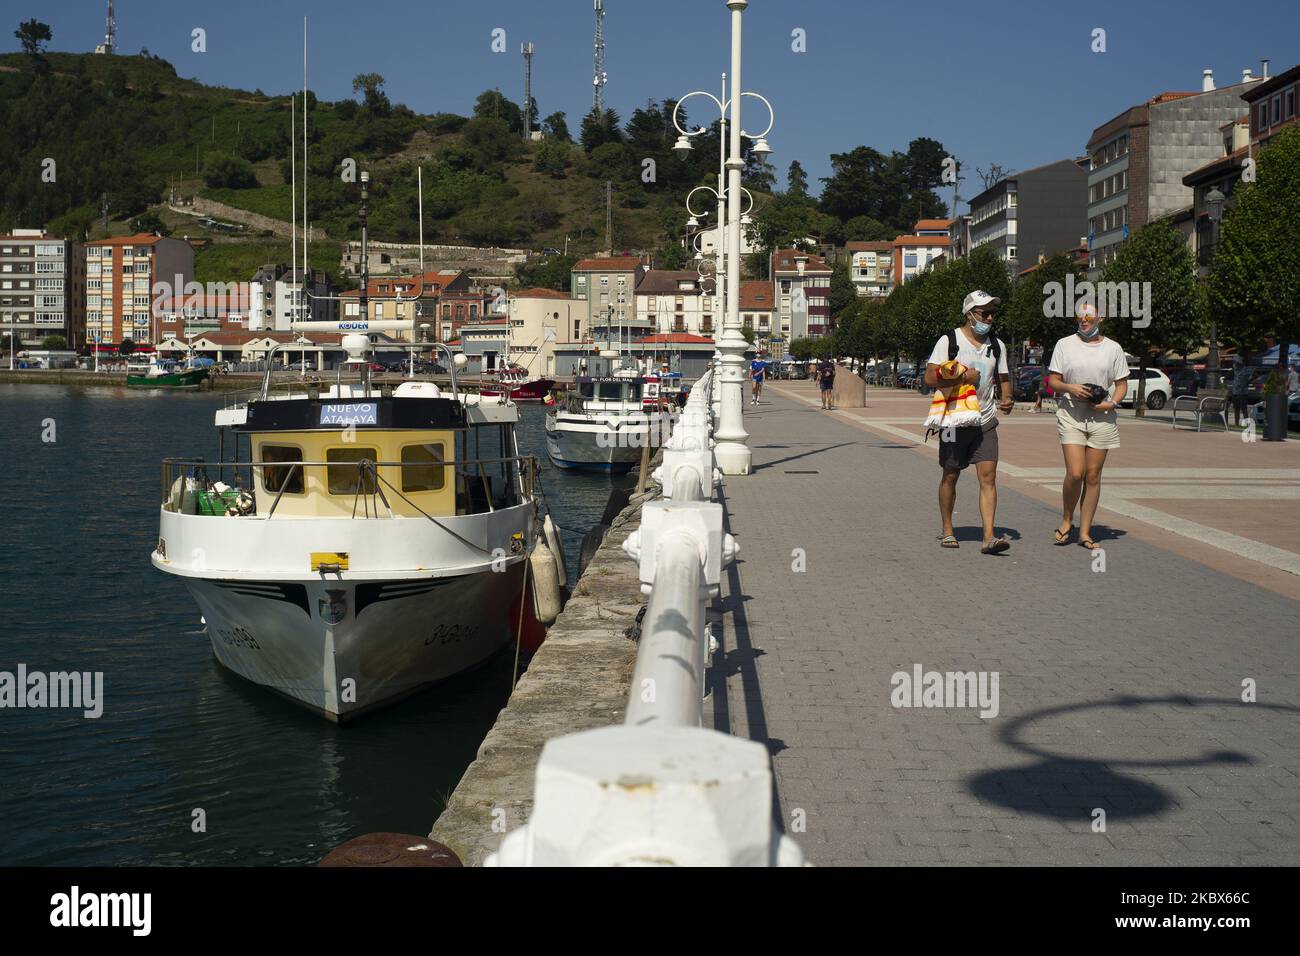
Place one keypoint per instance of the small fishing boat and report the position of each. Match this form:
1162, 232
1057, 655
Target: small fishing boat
172, 375
602, 424
366, 539
522, 388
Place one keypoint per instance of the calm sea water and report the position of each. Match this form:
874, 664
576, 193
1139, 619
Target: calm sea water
278, 785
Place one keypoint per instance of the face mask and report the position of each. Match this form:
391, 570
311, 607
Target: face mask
981, 328
1089, 336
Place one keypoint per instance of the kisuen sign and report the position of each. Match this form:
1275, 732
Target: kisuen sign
360, 413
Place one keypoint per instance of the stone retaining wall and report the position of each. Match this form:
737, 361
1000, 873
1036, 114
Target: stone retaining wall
578, 680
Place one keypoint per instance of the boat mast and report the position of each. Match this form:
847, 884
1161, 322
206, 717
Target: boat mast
364, 315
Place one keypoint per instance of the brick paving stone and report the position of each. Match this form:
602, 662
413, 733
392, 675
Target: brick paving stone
1119, 690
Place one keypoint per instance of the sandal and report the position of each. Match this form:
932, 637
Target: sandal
996, 546
1088, 543
948, 541
1063, 538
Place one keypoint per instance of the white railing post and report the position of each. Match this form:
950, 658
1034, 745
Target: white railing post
660, 790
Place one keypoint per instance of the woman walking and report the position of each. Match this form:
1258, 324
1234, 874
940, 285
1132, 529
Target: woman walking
1084, 368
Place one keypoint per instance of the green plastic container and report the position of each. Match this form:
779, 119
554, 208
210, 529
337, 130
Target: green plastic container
215, 503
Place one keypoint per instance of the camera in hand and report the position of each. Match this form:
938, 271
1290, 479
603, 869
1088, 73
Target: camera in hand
1096, 393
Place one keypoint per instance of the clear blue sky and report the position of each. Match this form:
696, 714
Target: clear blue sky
994, 81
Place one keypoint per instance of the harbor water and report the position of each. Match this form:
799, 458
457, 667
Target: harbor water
188, 764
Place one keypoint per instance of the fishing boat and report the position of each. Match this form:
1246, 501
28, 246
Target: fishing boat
602, 424
364, 541
167, 374
522, 388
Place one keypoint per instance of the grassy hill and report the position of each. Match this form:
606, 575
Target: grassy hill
123, 131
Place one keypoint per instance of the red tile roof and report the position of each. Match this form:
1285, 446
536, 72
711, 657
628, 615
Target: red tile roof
783, 261
614, 264
139, 239
756, 295
931, 224
922, 241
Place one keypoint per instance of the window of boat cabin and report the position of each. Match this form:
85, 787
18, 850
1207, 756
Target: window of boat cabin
277, 476
614, 391
422, 468
345, 479
587, 389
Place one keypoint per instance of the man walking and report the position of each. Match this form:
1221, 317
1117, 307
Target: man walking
984, 358
757, 373
826, 381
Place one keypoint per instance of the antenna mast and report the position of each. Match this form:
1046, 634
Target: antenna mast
600, 78
527, 49
109, 45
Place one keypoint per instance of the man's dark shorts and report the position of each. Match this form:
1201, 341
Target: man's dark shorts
969, 446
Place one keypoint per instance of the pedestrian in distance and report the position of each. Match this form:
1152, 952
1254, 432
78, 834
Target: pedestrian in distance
826, 381
981, 361
1240, 389
1089, 374
757, 374
1044, 391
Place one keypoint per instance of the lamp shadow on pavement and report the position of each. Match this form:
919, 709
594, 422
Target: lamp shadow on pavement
815, 451
1065, 787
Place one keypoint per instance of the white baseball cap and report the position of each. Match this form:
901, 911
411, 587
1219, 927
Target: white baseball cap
977, 299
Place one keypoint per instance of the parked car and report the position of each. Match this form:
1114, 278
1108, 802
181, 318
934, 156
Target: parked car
1185, 381
550, 251
1027, 384
1292, 415
1158, 388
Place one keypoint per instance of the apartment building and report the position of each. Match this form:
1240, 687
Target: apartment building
1031, 214
758, 309
226, 310
541, 320
125, 277
444, 300
801, 287
871, 267
1272, 104
914, 253
1137, 160
42, 287
279, 294
669, 300
608, 287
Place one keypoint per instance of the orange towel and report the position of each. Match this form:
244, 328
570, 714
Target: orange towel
956, 405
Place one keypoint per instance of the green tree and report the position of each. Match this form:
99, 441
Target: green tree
803, 349
149, 222
557, 127
599, 129
33, 35
552, 158
1157, 263
547, 272
1254, 285
866, 229
373, 97
796, 181
54, 343
492, 104
224, 171
843, 295
126, 346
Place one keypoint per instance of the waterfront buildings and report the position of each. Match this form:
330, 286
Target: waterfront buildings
125, 276
802, 286
1137, 160
608, 287
1032, 214
914, 253
42, 287
669, 300
871, 267
279, 294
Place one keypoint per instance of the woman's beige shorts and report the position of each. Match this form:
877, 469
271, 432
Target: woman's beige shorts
1095, 430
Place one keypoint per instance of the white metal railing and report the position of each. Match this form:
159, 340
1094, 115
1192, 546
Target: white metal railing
661, 790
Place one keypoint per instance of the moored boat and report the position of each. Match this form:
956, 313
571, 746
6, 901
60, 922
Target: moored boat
521, 387
366, 540
602, 425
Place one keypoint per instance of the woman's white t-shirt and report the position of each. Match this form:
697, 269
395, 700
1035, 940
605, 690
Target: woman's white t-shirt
1081, 363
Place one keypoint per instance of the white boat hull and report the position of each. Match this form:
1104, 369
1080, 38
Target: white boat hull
346, 647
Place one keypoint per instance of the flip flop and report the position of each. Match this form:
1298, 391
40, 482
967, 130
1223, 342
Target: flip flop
996, 546
1063, 538
948, 541
1088, 543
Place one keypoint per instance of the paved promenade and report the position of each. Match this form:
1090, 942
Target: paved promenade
1118, 690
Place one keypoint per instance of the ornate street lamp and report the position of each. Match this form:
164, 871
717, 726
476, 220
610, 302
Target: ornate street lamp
1214, 201
732, 453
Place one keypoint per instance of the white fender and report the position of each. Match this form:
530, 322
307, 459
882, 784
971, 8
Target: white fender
546, 582
556, 545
